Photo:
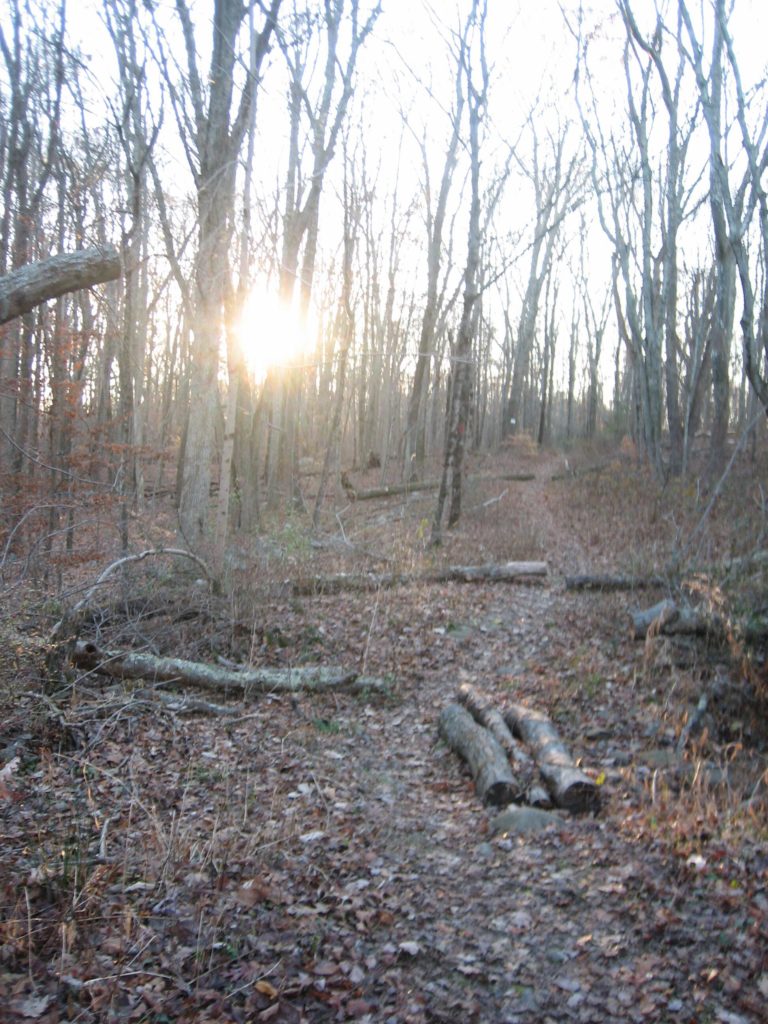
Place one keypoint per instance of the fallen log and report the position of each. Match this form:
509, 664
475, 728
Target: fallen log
245, 682
519, 477
493, 778
508, 572
505, 572
387, 491
598, 582
571, 789
27, 287
348, 583
669, 618
491, 718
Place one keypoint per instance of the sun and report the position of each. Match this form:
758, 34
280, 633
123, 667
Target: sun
272, 334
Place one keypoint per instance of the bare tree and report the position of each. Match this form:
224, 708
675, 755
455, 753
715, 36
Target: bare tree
734, 204
212, 136
414, 438
472, 60
325, 115
555, 185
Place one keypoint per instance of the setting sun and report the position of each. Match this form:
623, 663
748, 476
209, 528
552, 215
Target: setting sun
271, 333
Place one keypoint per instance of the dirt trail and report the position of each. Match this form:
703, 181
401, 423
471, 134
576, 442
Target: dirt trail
326, 859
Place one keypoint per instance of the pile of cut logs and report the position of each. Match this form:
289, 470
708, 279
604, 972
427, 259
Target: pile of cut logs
503, 770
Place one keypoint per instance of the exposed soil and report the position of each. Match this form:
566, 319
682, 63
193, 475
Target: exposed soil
325, 858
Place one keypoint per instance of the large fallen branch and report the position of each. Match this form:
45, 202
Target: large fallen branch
27, 287
508, 572
571, 789
494, 781
245, 682
72, 618
600, 582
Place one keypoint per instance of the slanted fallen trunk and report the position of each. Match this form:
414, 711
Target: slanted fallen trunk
571, 789
133, 665
669, 618
494, 781
598, 582
508, 572
27, 287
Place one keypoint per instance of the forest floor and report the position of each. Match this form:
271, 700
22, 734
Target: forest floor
324, 857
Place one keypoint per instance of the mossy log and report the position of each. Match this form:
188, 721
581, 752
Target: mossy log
571, 789
243, 683
493, 778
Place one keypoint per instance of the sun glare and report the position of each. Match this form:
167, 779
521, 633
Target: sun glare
272, 334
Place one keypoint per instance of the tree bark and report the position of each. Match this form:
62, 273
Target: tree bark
571, 789
494, 781
27, 287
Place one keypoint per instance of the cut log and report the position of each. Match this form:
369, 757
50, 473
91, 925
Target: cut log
571, 789
598, 582
28, 286
489, 716
669, 618
493, 778
509, 572
133, 665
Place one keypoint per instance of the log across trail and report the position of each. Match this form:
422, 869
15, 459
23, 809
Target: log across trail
503, 572
592, 581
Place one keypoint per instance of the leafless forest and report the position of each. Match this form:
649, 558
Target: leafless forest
383, 478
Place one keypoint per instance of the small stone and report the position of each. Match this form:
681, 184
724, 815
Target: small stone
523, 821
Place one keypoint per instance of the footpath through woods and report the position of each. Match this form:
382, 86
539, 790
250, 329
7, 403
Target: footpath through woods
324, 857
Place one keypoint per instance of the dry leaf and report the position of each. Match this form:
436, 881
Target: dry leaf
266, 989
409, 947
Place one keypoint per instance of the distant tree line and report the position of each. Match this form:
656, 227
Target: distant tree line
600, 266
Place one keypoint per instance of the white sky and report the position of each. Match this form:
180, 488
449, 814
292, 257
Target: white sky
533, 58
